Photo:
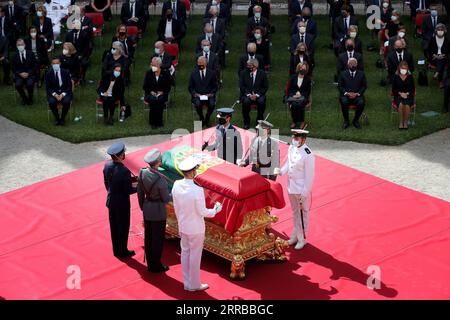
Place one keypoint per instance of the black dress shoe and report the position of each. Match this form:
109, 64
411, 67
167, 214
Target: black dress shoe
246, 127
162, 268
345, 125
356, 124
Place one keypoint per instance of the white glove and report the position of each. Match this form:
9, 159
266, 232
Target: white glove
240, 163
277, 171
217, 207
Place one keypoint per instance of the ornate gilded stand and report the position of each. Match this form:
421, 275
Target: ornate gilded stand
251, 240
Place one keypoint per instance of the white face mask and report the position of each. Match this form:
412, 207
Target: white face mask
295, 143
39, 13
65, 51
403, 71
257, 36
440, 33
33, 34
154, 68
401, 34
209, 35
353, 34
385, 5
257, 15
302, 29
11, 3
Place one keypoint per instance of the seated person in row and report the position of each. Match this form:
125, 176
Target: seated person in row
265, 9
302, 36
396, 56
351, 34
59, 91
296, 8
111, 91
403, 91
342, 62
438, 51
203, 88
299, 90
44, 26
213, 38
133, 14
352, 85
257, 21
81, 40
300, 56
342, 24
157, 85
160, 52
38, 46
251, 54
170, 30
222, 9
262, 42
212, 60
218, 25
24, 67
113, 57
69, 61
178, 10
4, 59
311, 25
128, 43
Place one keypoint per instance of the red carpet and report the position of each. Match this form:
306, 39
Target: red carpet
357, 220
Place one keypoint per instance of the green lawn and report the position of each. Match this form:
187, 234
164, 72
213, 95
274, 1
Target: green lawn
325, 120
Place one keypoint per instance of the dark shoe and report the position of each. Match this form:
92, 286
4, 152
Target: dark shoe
246, 126
57, 123
162, 268
345, 125
62, 122
127, 254
356, 124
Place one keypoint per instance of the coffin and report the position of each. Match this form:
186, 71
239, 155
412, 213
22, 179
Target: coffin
239, 232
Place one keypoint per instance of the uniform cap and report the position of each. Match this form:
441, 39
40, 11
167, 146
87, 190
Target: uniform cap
152, 156
116, 149
188, 164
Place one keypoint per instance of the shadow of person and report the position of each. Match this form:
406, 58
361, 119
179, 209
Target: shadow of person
1, 298
170, 286
339, 269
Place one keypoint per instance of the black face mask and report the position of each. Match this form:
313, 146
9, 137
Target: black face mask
350, 48
399, 50
250, 69
352, 68
301, 51
306, 18
200, 67
169, 16
48, 1
302, 72
221, 121
122, 34
251, 54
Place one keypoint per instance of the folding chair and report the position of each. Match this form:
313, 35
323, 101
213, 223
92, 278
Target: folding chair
166, 109
99, 109
412, 114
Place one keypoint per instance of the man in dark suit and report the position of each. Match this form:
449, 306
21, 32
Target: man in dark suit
133, 14
218, 25
203, 88
213, 38
251, 54
257, 21
253, 85
178, 11
4, 59
341, 25
170, 29
16, 16
24, 66
297, 7
429, 23
352, 85
342, 62
311, 25
86, 22
396, 56
211, 58
81, 40
302, 36
418, 5
222, 9
59, 90
5, 24
161, 53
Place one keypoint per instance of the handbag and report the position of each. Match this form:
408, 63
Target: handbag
127, 110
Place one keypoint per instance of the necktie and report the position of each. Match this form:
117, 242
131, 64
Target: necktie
132, 9
400, 57
213, 26
11, 11
253, 78
202, 75
22, 58
75, 37
174, 9
434, 22
353, 74
257, 21
302, 38
59, 78
350, 54
206, 56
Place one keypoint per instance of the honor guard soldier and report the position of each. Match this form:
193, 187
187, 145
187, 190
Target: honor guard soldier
118, 183
300, 169
228, 141
153, 194
190, 209
264, 152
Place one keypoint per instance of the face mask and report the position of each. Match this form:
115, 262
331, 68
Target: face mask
33, 34
206, 49
251, 54
302, 51
302, 72
399, 50
39, 13
403, 71
440, 33
257, 36
116, 74
21, 48
157, 51
344, 13
350, 47
302, 29
295, 143
385, 5
306, 18
113, 50
209, 34
434, 13
200, 67
352, 68
258, 15
221, 121
122, 33
250, 69
154, 69
56, 67
65, 52
401, 34
394, 18
353, 34
132, 1
213, 2
11, 3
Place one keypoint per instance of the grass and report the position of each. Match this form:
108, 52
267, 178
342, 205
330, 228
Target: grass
325, 119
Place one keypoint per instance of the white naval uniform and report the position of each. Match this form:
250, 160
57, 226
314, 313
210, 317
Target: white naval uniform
300, 169
55, 13
190, 209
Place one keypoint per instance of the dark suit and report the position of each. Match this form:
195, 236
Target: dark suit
177, 30
295, 60
224, 11
216, 43
358, 45
393, 62
311, 26
298, 107
252, 24
117, 180
129, 46
262, 48
357, 84
247, 86
29, 65
166, 60
54, 87
428, 29
433, 50
71, 64
219, 26
205, 86
17, 19
447, 87
213, 62
118, 90
109, 63
179, 14
4, 54
340, 28
296, 8
309, 41
265, 12
245, 57
342, 61
415, 4
41, 51
6, 27
45, 31
86, 24
82, 42
156, 104
126, 14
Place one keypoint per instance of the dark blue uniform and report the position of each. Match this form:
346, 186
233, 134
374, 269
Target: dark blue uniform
118, 183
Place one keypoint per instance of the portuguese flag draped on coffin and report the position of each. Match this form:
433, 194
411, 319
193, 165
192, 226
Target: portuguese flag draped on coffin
239, 189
